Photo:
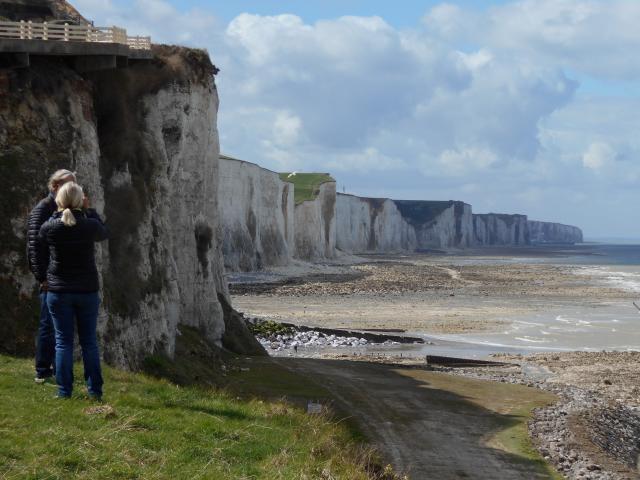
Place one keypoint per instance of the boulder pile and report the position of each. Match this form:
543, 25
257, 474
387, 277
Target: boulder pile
313, 339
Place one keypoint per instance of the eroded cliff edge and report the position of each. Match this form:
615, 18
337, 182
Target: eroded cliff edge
382, 225
548, 232
257, 216
500, 229
144, 142
315, 225
372, 225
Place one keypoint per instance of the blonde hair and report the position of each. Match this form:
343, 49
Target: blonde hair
69, 197
58, 177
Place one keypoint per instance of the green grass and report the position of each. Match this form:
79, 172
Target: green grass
307, 185
150, 428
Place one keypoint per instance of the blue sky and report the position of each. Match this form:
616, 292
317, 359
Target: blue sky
399, 14
526, 106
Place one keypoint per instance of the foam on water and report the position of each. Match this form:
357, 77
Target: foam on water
532, 339
620, 276
614, 325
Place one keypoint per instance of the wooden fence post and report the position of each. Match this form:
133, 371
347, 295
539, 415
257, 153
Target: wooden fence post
29, 30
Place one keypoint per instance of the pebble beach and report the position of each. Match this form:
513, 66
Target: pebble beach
582, 314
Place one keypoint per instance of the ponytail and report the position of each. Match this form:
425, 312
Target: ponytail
69, 198
68, 218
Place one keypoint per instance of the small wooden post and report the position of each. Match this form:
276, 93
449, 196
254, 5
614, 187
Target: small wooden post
66, 32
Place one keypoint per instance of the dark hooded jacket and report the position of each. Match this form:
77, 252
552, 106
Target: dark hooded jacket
37, 253
72, 265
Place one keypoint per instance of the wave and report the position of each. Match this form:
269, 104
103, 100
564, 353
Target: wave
531, 339
625, 280
489, 343
531, 324
560, 318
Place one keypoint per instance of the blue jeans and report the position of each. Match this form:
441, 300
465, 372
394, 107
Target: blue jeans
46, 342
65, 308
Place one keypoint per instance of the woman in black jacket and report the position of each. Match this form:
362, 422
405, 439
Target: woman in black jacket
72, 279
38, 256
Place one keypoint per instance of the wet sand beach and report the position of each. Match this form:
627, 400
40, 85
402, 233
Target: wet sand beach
511, 303
429, 294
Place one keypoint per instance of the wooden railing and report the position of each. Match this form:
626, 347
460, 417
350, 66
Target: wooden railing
72, 33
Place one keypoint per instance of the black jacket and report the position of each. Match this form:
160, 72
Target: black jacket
37, 253
72, 264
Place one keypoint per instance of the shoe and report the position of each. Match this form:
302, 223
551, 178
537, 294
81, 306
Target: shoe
39, 380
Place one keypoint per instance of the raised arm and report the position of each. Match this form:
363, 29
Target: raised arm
101, 232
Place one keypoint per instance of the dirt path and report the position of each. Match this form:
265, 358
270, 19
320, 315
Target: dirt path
430, 425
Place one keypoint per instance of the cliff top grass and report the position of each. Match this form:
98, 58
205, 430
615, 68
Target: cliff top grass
307, 185
151, 428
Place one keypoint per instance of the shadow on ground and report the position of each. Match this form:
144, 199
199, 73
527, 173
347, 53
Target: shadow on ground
433, 425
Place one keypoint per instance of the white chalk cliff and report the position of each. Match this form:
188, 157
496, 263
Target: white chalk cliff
500, 229
315, 225
145, 144
371, 225
257, 215
549, 232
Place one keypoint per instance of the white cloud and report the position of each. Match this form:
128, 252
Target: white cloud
476, 60
91, 9
158, 18
286, 128
599, 156
466, 161
369, 159
476, 103
359, 85
450, 21
595, 37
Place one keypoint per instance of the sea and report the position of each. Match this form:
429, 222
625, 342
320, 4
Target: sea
612, 325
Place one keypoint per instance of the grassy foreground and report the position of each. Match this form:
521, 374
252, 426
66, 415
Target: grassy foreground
152, 429
307, 185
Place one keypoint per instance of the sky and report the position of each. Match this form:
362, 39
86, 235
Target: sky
512, 106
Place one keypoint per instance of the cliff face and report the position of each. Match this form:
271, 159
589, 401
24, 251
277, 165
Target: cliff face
547, 232
145, 145
257, 216
371, 225
315, 225
46, 122
438, 224
500, 229
39, 10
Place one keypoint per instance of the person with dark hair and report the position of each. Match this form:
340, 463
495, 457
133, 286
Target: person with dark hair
38, 256
73, 285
